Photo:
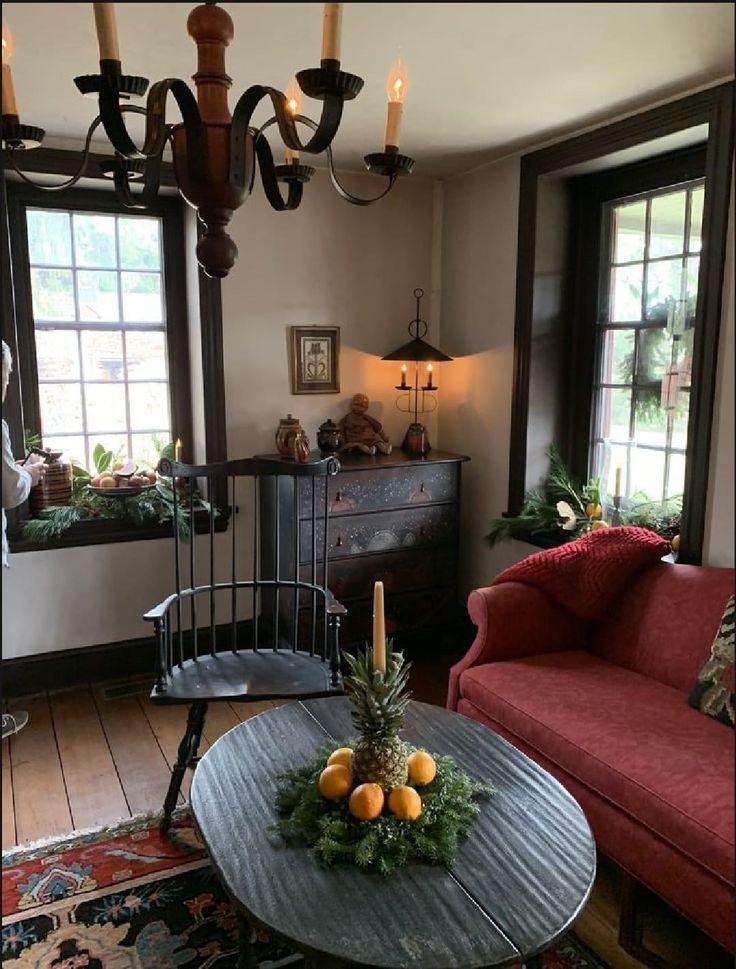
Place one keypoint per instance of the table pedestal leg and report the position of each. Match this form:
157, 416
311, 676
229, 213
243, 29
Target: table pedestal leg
246, 953
533, 962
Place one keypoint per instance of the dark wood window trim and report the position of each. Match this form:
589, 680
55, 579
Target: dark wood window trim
19, 414
713, 107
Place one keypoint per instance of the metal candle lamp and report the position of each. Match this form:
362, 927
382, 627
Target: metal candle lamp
417, 398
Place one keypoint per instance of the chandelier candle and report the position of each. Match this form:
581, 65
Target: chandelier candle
9, 105
379, 629
107, 32
396, 88
331, 31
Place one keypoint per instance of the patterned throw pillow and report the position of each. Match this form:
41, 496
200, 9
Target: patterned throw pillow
714, 688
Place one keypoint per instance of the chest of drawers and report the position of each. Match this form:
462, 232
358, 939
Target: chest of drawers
392, 518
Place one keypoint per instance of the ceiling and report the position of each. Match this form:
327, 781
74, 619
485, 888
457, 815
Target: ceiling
485, 78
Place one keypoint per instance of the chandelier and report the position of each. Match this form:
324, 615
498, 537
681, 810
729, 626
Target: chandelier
215, 153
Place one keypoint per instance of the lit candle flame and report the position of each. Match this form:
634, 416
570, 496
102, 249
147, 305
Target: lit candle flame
293, 97
397, 82
7, 44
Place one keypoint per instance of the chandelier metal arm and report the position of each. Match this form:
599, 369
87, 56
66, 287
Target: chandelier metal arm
74, 178
112, 114
270, 182
324, 131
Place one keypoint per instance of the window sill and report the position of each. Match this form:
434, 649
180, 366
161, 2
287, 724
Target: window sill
102, 531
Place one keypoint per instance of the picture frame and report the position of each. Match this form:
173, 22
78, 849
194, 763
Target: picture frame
314, 356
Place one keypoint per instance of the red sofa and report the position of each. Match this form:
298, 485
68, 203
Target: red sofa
603, 707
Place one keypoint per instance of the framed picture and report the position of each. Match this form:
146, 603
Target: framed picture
315, 359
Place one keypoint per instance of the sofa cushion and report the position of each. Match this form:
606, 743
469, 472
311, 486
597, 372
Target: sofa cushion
630, 738
713, 692
663, 624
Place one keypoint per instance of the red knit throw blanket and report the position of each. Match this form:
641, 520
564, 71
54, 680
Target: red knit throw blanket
585, 576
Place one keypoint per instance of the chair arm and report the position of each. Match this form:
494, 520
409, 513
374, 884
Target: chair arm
158, 612
334, 608
515, 620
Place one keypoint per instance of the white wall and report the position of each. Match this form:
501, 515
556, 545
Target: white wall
328, 263
480, 224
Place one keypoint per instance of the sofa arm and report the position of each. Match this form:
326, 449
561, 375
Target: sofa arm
515, 620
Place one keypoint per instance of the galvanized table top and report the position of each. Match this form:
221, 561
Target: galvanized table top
518, 882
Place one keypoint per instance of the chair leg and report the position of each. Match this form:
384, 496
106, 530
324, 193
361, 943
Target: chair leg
186, 756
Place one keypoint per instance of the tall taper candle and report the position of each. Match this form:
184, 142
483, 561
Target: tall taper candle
177, 451
107, 31
617, 486
379, 629
331, 30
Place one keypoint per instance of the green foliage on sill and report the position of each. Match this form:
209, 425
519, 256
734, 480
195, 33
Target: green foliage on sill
540, 516
154, 506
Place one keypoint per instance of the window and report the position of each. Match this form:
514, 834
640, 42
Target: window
100, 332
100, 324
641, 398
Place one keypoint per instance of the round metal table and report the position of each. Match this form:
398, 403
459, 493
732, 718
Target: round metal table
517, 884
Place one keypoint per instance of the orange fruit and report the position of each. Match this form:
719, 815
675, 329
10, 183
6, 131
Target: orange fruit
422, 768
107, 481
343, 755
593, 510
675, 543
599, 524
405, 803
366, 802
335, 782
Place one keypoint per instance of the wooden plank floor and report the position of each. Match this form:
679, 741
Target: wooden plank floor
92, 755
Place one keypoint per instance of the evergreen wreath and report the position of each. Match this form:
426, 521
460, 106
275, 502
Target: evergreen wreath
335, 837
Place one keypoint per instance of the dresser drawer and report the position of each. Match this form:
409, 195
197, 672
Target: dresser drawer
379, 489
353, 578
358, 534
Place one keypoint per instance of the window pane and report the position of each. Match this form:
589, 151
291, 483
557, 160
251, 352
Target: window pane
146, 354
149, 406
98, 297
49, 237
57, 355
117, 443
691, 283
676, 483
668, 225
647, 474
102, 355
61, 408
618, 357
53, 294
142, 297
650, 419
140, 246
614, 409
72, 448
105, 407
656, 349
607, 458
681, 415
626, 287
696, 219
629, 230
94, 241
147, 447
663, 285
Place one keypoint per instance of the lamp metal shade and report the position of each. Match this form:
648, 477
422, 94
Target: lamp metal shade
417, 350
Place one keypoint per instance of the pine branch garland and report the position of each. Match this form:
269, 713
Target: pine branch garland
335, 837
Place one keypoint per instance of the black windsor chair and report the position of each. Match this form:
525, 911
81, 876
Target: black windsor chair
289, 646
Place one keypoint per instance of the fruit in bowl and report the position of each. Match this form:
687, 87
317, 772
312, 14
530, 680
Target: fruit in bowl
124, 475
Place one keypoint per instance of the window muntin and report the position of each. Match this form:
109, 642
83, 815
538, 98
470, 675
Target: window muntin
100, 331
645, 342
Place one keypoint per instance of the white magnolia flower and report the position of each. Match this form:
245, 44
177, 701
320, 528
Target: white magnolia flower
565, 512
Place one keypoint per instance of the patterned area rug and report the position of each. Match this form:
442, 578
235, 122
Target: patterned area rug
126, 898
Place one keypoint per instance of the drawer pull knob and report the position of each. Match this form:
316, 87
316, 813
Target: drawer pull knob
338, 543
421, 487
338, 497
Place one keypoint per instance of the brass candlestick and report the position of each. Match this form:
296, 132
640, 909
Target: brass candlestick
616, 517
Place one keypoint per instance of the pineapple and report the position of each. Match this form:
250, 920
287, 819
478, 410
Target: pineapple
379, 703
